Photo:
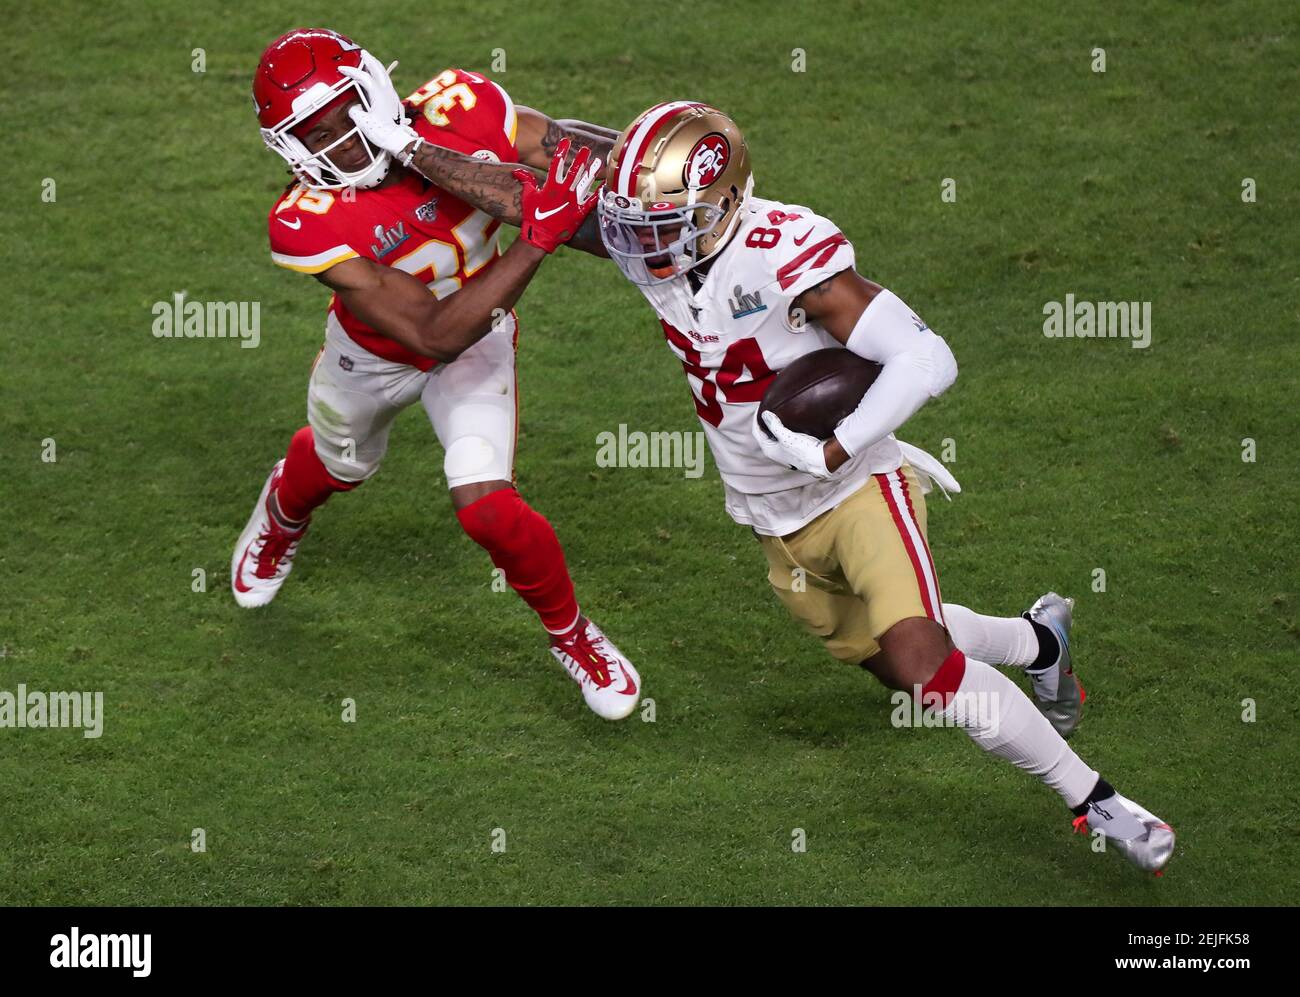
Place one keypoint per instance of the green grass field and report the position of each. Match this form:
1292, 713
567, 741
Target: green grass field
1074, 455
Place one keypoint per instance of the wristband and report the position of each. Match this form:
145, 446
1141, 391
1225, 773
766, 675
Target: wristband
415, 147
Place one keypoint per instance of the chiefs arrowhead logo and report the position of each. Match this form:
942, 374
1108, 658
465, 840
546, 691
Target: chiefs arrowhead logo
707, 161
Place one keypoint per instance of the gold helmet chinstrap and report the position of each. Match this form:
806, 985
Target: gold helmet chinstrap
675, 182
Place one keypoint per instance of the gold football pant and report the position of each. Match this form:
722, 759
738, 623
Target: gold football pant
855, 571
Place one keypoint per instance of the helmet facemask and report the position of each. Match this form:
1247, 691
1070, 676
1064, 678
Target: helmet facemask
657, 245
317, 170
623, 219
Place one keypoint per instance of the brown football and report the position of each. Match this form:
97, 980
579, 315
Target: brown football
818, 390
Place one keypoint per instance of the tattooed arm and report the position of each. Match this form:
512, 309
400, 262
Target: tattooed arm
490, 187
538, 136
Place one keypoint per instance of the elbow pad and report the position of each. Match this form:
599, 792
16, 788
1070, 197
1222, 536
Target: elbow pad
917, 366
888, 329
942, 365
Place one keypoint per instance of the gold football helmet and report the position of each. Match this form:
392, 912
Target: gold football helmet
675, 182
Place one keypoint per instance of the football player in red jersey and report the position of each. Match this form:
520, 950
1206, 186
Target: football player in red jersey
422, 310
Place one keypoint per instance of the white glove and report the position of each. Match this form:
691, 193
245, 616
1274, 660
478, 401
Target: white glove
384, 124
798, 451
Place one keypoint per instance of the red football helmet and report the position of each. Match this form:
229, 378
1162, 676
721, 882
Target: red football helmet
297, 80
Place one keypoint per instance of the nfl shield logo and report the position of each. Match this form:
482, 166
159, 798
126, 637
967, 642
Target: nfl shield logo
427, 211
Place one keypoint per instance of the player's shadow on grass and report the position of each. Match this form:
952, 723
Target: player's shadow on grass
837, 712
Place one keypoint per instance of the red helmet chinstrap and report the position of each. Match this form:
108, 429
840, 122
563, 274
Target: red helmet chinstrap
297, 80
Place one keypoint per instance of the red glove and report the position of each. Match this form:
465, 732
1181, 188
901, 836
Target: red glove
553, 212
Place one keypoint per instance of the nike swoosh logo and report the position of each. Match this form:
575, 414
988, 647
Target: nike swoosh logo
803, 238
296, 225
239, 575
539, 215
630, 688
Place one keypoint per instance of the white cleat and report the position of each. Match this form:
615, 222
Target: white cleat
263, 557
1150, 850
610, 685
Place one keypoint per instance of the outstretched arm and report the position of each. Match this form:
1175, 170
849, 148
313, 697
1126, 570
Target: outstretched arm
539, 136
492, 187
401, 307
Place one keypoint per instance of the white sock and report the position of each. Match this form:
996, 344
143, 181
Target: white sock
995, 639
999, 717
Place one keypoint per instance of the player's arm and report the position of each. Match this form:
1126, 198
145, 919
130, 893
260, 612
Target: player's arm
401, 306
874, 323
539, 135
493, 188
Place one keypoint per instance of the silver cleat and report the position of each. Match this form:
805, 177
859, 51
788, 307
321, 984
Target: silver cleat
1057, 692
1152, 850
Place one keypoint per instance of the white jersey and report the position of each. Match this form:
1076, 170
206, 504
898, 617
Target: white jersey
735, 334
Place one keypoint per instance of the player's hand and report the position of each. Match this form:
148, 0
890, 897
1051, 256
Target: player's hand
797, 451
385, 124
553, 212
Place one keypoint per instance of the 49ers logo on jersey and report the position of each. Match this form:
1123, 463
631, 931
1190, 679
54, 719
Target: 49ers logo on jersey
707, 161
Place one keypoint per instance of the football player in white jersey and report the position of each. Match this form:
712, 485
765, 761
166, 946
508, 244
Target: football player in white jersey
744, 286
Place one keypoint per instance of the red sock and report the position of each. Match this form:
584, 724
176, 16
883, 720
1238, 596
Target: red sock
946, 681
304, 482
521, 542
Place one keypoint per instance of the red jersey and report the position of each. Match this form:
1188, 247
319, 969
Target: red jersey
411, 225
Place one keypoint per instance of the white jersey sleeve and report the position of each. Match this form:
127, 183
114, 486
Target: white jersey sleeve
797, 249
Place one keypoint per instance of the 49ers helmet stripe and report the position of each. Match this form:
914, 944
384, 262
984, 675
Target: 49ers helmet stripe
640, 134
